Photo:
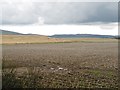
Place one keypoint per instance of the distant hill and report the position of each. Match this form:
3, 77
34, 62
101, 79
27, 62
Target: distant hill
5, 32
81, 36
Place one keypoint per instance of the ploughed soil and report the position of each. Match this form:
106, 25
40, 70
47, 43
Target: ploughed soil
61, 65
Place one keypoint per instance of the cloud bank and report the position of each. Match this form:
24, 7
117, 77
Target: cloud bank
25, 13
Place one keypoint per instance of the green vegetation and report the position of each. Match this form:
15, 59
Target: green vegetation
33, 78
27, 80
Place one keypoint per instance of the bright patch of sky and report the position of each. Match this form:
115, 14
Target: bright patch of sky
60, 17
102, 29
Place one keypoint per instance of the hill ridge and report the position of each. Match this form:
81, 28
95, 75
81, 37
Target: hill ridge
6, 32
81, 36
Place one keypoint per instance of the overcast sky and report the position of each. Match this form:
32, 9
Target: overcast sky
57, 13
21, 13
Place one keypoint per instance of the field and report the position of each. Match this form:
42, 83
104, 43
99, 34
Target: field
61, 65
33, 39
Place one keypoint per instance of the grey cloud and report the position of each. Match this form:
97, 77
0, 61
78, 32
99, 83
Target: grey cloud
105, 13
18, 13
59, 13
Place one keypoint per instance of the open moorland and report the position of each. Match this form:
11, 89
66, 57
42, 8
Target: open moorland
33, 39
61, 65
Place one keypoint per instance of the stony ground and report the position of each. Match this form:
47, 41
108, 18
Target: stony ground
61, 65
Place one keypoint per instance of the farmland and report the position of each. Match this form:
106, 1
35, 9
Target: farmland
61, 65
33, 39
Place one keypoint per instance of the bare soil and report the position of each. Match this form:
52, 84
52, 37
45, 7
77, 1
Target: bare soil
65, 65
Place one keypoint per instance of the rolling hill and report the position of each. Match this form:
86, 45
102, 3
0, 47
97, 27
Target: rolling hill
81, 36
8, 37
5, 32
